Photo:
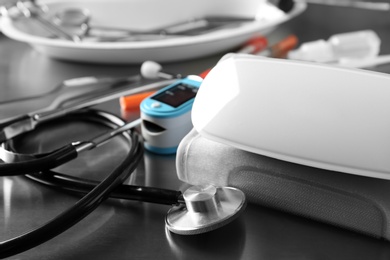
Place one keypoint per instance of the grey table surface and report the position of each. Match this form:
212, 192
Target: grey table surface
121, 229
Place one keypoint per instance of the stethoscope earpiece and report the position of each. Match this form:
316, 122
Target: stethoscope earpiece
206, 208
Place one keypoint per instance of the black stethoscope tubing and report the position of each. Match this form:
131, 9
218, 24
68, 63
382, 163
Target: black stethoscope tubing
95, 193
21, 164
124, 191
14, 127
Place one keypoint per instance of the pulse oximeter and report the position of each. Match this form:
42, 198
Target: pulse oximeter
166, 115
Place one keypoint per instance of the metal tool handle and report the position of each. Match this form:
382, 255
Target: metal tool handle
377, 6
104, 97
10, 121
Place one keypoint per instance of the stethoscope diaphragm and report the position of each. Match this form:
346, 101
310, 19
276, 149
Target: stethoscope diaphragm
206, 208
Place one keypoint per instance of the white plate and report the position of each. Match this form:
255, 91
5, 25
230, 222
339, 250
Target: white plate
151, 14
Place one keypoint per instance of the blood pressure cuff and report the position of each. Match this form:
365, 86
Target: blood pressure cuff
349, 201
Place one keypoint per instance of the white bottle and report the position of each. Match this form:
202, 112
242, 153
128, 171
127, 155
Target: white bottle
356, 45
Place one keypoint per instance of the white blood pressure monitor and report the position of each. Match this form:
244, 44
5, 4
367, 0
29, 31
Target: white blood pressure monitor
313, 114
166, 115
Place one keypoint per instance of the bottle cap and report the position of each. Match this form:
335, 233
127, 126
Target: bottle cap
318, 51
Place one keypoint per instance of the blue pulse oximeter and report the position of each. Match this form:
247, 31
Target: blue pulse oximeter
166, 115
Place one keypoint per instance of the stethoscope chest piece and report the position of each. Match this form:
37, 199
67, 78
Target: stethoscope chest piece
206, 208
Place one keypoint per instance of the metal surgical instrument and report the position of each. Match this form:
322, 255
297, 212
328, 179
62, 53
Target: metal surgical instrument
80, 18
31, 10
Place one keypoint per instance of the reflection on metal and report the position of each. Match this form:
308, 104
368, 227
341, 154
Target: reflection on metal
7, 191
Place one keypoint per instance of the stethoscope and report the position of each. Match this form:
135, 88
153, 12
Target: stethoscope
198, 209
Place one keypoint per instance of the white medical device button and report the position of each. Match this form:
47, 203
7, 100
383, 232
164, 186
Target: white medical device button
156, 105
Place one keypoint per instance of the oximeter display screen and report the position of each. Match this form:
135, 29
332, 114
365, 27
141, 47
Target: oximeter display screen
177, 95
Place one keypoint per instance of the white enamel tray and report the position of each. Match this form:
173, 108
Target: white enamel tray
151, 14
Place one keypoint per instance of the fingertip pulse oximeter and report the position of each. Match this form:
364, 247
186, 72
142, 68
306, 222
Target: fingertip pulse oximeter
166, 115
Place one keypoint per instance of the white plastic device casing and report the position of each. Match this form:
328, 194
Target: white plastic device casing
317, 115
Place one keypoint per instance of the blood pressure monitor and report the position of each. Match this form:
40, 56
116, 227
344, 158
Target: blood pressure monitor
166, 115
